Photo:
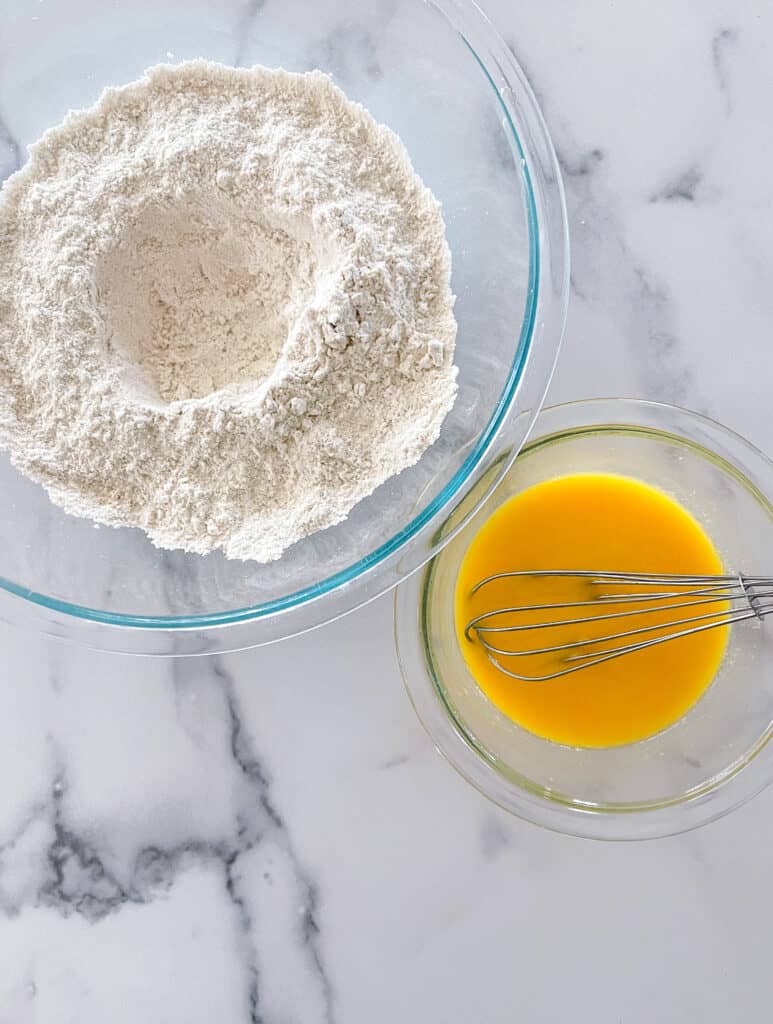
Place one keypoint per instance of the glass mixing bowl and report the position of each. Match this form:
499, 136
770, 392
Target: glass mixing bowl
712, 759
439, 75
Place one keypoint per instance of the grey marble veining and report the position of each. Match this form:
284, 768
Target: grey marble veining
57, 859
269, 836
10, 151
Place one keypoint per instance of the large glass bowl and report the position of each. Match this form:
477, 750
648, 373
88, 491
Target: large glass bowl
440, 76
711, 760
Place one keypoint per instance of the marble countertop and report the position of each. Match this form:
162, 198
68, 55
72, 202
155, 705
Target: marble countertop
270, 836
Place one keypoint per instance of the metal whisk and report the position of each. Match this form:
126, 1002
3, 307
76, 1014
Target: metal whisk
745, 597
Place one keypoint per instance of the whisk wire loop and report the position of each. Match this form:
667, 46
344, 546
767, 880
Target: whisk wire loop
744, 597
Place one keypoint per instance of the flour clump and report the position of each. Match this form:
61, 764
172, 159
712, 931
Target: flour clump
225, 309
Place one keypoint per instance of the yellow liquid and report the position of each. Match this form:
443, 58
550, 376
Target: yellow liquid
591, 521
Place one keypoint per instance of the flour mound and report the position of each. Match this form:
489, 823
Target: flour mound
225, 309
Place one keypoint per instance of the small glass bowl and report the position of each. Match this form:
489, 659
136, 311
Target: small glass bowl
714, 758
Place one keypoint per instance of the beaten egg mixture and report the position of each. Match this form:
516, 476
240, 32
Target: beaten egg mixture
590, 521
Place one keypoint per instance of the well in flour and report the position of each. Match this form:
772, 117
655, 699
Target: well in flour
225, 309
199, 297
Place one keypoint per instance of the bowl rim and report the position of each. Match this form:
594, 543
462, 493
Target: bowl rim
741, 780
545, 214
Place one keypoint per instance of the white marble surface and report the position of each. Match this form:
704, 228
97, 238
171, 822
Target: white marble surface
270, 836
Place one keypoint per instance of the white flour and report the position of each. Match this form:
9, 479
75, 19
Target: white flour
225, 312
